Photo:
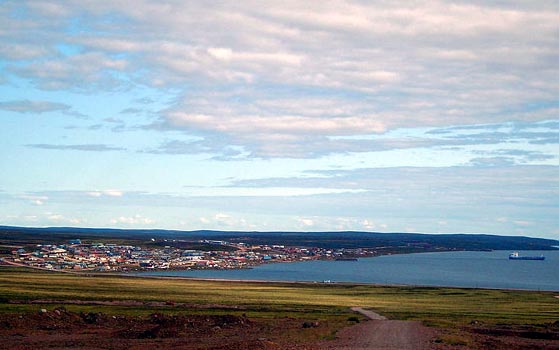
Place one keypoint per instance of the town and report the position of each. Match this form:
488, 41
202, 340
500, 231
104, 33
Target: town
74, 255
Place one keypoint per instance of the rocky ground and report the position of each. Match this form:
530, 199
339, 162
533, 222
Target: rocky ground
60, 329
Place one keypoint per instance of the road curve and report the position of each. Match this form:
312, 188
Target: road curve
368, 313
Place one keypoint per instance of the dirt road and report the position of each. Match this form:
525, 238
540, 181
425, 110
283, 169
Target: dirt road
368, 313
382, 334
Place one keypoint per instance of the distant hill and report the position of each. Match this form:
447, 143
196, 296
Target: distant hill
347, 239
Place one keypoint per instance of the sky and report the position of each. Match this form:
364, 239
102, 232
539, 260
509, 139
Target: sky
388, 116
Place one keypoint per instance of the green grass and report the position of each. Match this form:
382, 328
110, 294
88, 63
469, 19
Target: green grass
434, 306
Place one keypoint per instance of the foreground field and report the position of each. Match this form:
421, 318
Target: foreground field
463, 316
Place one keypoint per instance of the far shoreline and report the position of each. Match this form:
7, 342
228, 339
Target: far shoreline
160, 274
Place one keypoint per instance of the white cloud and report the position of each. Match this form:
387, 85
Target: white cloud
109, 193
50, 9
30, 218
254, 74
61, 219
522, 223
339, 223
92, 68
94, 194
222, 220
136, 220
79, 147
36, 200
226, 220
306, 222
310, 38
221, 53
29, 106
113, 193
22, 52
282, 125
368, 224
222, 217
285, 32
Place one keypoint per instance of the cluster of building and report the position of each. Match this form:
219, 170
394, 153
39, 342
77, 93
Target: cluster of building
76, 255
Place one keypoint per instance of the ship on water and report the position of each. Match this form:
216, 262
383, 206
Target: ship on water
516, 256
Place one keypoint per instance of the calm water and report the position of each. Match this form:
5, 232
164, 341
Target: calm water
458, 269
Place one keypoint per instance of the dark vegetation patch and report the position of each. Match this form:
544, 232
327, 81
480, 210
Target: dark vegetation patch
487, 336
548, 331
387, 242
192, 245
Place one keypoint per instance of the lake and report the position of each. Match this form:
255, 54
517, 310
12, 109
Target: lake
453, 269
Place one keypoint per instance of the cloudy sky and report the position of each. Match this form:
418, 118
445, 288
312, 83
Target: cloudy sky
287, 115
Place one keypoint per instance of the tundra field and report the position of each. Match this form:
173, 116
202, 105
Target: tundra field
298, 315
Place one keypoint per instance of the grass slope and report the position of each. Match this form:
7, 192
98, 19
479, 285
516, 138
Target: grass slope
436, 306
